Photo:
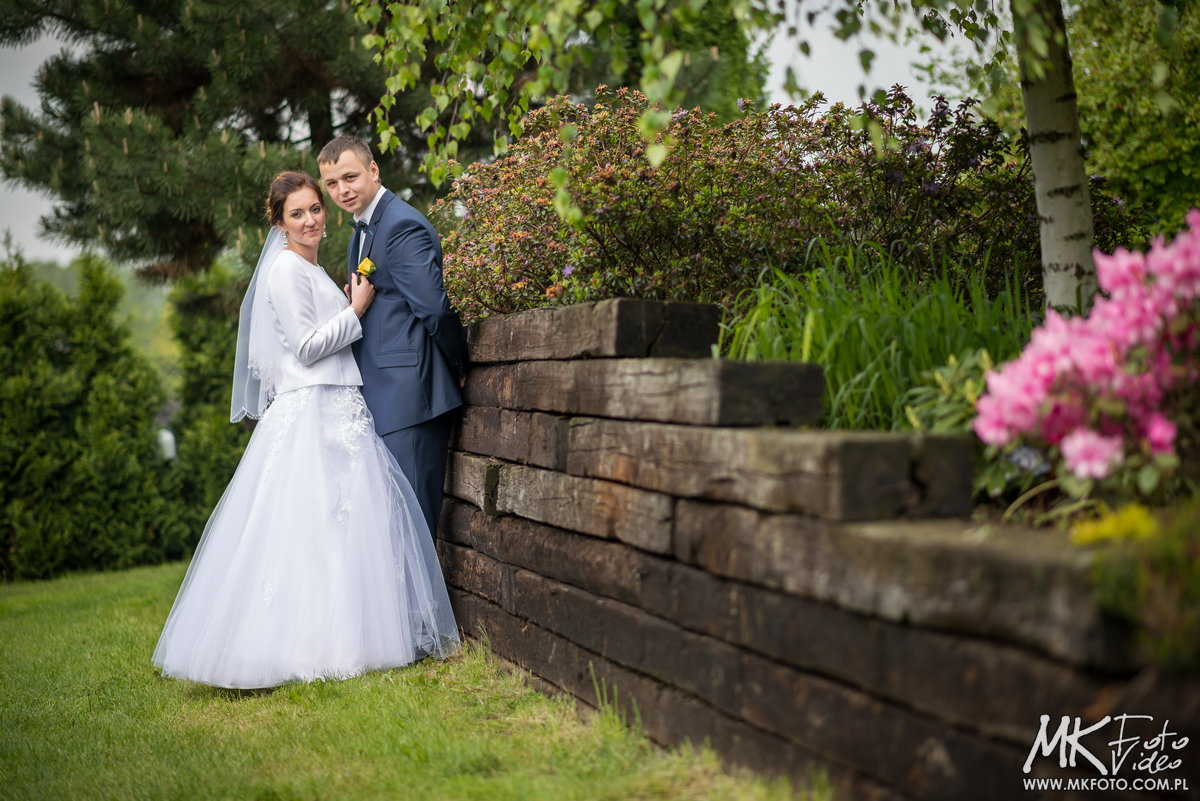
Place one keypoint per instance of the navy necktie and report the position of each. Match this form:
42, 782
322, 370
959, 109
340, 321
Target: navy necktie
360, 229
354, 247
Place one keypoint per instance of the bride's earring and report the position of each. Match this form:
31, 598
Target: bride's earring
285, 237
324, 232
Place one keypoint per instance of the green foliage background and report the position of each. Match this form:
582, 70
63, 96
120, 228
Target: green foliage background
161, 127
1138, 85
158, 132
204, 321
82, 485
144, 311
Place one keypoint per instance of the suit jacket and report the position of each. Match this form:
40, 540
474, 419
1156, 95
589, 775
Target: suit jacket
314, 323
413, 349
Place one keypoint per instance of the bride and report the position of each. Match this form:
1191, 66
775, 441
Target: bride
316, 562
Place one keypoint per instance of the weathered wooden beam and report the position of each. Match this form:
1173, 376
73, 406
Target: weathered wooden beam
527, 437
836, 475
908, 750
590, 506
605, 566
706, 392
468, 568
1017, 584
970, 681
667, 715
473, 478
620, 327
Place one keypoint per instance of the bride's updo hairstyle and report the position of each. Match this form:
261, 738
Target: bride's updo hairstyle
284, 184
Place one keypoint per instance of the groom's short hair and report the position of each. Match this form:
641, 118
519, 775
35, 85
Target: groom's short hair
334, 150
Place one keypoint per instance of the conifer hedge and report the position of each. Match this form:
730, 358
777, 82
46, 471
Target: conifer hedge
204, 320
82, 484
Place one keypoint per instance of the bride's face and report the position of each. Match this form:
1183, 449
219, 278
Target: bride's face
303, 217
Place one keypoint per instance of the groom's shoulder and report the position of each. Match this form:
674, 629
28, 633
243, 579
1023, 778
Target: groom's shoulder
398, 213
399, 209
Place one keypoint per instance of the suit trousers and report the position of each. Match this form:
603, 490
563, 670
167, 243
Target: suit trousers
421, 452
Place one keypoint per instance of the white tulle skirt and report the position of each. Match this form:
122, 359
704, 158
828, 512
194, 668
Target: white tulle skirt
316, 563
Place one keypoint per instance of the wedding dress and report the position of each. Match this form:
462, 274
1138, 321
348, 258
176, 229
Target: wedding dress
316, 562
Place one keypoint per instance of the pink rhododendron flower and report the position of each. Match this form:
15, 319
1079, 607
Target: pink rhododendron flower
1122, 271
1062, 417
989, 426
1160, 433
1089, 454
1093, 386
1095, 358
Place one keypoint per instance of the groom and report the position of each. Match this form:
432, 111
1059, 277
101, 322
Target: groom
413, 351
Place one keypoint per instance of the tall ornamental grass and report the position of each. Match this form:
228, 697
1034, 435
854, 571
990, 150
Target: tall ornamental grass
857, 312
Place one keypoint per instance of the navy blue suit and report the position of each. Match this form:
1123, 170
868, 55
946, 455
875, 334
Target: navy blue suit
413, 349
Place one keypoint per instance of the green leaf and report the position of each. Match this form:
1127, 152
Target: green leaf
671, 64
1074, 486
1147, 479
656, 153
1166, 102
865, 59
651, 122
1159, 73
1167, 462
789, 82
564, 205
426, 118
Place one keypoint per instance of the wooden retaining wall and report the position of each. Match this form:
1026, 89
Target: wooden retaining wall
631, 517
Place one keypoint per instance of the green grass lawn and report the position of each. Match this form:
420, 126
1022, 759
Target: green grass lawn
84, 715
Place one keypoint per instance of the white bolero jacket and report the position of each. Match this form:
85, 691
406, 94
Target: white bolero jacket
315, 324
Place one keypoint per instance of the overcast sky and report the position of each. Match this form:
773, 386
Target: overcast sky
832, 69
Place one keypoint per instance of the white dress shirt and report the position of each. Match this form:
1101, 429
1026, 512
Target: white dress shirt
315, 324
366, 215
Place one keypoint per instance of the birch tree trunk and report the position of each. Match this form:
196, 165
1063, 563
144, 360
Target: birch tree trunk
1056, 153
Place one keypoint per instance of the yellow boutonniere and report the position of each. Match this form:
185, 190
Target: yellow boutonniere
365, 267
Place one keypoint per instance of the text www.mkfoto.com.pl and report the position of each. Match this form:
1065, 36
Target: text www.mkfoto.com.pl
1147, 783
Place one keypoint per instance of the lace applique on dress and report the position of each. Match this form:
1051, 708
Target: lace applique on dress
351, 421
349, 429
341, 512
269, 588
278, 421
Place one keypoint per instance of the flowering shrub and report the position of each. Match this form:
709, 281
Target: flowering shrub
731, 200
1111, 398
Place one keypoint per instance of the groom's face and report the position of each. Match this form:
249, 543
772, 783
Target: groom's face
350, 183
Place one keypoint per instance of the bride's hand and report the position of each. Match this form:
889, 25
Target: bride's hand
362, 293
